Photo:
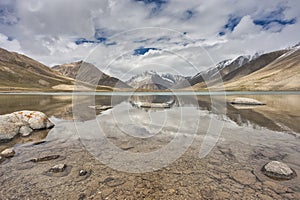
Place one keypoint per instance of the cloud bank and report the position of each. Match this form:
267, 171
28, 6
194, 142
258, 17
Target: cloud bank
127, 37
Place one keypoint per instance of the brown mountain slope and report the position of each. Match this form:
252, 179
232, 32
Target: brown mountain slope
239, 78
253, 65
240, 67
21, 73
213, 74
86, 69
12, 58
281, 74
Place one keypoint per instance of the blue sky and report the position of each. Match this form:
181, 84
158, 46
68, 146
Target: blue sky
127, 37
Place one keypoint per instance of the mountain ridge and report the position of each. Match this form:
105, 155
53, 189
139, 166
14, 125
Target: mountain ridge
266, 67
281, 74
22, 72
276, 70
153, 81
87, 69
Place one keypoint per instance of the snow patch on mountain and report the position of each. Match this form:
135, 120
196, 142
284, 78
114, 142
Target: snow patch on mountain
234, 63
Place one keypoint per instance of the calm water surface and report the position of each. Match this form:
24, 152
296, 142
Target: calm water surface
240, 140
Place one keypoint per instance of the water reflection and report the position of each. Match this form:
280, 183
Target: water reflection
58, 106
281, 112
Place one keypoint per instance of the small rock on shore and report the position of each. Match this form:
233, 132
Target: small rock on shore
8, 153
278, 170
58, 168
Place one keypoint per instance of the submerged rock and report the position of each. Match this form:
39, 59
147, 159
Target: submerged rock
278, 170
58, 168
8, 153
39, 142
246, 101
44, 158
100, 107
22, 122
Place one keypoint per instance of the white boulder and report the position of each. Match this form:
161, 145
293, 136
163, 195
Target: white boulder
22, 122
35, 119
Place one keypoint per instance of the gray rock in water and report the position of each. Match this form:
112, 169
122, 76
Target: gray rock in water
58, 168
22, 122
25, 131
8, 153
278, 170
246, 101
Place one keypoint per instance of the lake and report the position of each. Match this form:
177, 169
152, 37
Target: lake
155, 145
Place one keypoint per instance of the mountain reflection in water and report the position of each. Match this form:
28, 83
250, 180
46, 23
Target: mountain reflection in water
281, 112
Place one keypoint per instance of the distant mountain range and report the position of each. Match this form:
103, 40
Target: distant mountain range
278, 70
151, 80
220, 70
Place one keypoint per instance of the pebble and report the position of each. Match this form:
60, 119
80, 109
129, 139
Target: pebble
82, 172
58, 168
8, 153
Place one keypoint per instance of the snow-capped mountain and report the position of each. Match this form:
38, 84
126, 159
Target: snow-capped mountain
278, 70
221, 69
226, 66
174, 79
152, 80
